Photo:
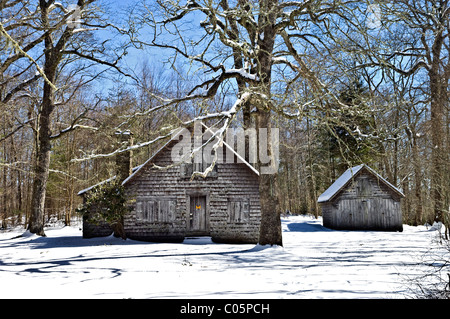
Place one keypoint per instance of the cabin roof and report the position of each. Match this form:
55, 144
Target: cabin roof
150, 160
345, 179
137, 169
103, 182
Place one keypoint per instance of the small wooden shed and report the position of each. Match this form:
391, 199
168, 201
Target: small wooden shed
360, 199
167, 205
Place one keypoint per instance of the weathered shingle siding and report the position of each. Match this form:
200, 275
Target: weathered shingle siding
233, 182
96, 228
365, 204
99, 229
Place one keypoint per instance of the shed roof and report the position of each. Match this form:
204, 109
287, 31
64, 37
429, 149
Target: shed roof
346, 177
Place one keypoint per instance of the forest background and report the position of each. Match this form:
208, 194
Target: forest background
348, 82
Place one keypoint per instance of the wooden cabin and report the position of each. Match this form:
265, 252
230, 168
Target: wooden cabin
167, 205
360, 199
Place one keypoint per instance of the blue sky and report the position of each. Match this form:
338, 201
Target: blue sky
154, 57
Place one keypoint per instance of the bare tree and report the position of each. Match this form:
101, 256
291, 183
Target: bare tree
424, 47
430, 21
51, 37
243, 41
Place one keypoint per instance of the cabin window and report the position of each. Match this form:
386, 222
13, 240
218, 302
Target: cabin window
155, 210
238, 211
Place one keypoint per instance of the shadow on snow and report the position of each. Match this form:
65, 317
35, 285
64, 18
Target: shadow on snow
307, 227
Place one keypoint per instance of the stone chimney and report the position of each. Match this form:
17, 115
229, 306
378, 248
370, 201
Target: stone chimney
123, 159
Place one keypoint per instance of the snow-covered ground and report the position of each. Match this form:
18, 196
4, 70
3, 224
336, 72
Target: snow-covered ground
315, 262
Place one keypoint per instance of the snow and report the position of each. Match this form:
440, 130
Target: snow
314, 262
339, 183
78, 30
243, 73
93, 186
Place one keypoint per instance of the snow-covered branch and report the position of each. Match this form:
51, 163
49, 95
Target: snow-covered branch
226, 117
18, 48
16, 129
71, 128
127, 149
219, 134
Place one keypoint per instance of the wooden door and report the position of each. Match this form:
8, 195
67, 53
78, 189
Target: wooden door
198, 224
382, 209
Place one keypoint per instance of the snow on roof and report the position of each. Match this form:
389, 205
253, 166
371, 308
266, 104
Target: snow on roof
339, 183
94, 186
346, 177
134, 169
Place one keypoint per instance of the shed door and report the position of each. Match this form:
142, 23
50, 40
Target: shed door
387, 212
375, 213
197, 216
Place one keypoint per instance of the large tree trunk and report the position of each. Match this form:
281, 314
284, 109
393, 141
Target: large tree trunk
41, 170
42, 165
43, 145
3, 210
438, 165
270, 229
418, 216
312, 186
